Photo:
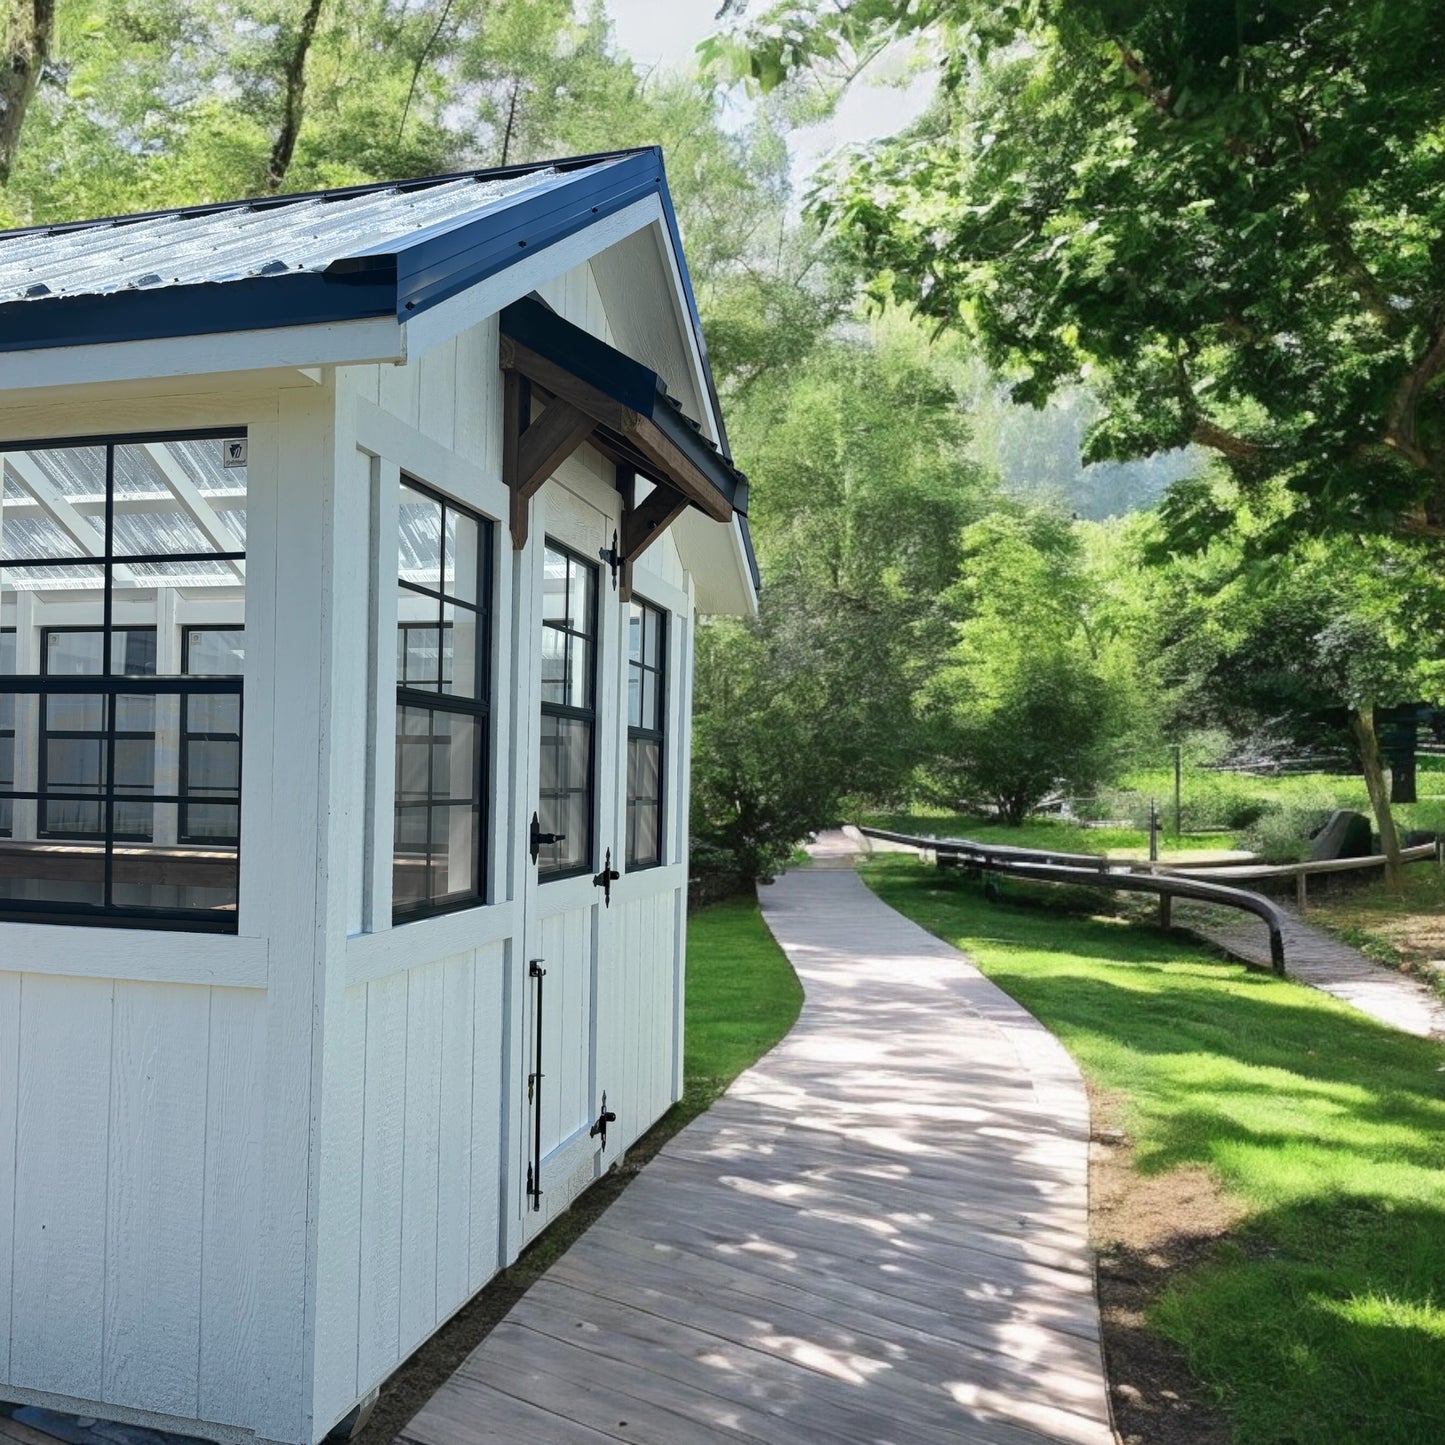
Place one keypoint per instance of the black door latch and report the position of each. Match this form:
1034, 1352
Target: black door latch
539, 837
606, 878
605, 1118
612, 557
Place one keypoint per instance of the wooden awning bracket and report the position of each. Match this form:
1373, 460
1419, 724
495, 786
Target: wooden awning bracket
574, 412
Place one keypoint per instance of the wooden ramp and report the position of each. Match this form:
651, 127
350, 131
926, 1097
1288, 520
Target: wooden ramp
878, 1235
1319, 959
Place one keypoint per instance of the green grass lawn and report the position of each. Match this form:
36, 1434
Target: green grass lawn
742, 998
1323, 1318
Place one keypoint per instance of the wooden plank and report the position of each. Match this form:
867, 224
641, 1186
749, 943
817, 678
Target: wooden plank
546, 443
229, 1321
381, 1180
421, 1153
489, 1100
10, 1002
155, 1197
60, 1233
878, 1235
454, 1159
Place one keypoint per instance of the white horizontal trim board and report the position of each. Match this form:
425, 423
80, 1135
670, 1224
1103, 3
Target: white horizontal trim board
140, 955
298, 347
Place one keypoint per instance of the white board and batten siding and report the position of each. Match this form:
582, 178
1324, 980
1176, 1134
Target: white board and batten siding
242, 1178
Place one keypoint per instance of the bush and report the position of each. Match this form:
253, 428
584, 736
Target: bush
1281, 833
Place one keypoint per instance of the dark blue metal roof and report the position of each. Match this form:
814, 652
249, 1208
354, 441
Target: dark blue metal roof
392, 249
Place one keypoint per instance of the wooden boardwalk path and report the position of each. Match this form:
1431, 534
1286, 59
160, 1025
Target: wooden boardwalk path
1317, 958
878, 1235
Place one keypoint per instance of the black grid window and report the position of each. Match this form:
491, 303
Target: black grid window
211, 738
443, 704
7, 732
646, 713
569, 685
77, 731
105, 543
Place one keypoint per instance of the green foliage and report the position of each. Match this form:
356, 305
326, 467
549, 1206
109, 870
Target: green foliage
1281, 832
1030, 696
1324, 1319
863, 486
1232, 224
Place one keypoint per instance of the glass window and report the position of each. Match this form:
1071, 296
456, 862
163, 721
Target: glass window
646, 712
569, 648
7, 732
442, 705
211, 738
114, 744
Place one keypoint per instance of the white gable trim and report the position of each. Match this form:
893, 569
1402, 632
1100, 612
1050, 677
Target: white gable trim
486, 298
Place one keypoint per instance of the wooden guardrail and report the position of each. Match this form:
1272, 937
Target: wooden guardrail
1303, 872
1092, 870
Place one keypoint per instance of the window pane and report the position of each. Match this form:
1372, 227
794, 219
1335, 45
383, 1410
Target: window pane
555, 573
437, 842
420, 539
215, 652
54, 501
462, 578
454, 852
644, 801
208, 713
634, 632
565, 795
554, 665
578, 685
461, 661
73, 654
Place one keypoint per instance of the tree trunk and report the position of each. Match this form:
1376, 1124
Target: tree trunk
28, 46
295, 79
1363, 726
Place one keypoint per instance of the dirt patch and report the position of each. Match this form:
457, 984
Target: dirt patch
1147, 1229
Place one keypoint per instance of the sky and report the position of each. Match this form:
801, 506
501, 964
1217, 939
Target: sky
665, 32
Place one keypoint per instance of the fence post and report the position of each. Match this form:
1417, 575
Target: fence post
1166, 910
1301, 891
1153, 831
1178, 790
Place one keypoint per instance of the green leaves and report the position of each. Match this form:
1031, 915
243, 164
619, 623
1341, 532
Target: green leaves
1233, 223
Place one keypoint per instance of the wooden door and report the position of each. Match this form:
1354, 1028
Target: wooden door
570, 808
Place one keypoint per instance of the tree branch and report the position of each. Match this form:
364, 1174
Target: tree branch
1400, 432
29, 39
417, 68
1241, 449
295, 78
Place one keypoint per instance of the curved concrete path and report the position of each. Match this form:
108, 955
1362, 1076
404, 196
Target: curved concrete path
878, 1235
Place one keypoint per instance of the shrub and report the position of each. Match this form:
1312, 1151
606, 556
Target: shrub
1281, 833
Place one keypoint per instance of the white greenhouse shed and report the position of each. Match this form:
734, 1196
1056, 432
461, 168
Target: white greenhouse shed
350, 546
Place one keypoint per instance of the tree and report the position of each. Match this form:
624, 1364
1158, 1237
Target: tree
1031, 697
1231, 221
24, 46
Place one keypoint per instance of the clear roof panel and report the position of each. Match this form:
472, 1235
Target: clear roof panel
306, 233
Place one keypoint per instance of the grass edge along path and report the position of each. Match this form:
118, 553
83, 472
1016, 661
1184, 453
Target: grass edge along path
742, 997
1320, 1315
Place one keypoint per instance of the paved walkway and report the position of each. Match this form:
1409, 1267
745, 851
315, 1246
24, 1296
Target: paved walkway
878, 1235
1319, 959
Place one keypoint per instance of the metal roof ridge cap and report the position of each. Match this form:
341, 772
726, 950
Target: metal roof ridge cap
270, 202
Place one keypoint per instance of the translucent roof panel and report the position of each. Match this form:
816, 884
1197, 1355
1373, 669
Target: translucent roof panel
249, 238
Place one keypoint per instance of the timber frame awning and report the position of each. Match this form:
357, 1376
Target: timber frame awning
591, 392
